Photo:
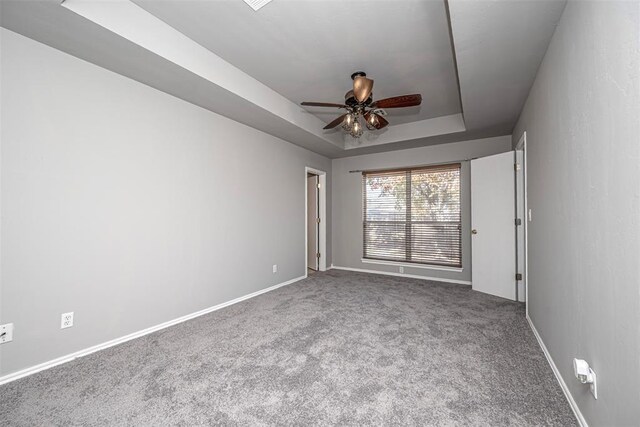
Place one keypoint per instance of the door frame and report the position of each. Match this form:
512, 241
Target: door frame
322, 208
522, 146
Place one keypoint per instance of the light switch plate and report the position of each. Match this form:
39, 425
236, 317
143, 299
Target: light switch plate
6, 333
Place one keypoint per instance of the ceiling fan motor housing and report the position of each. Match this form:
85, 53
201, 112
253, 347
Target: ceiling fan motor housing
351, 101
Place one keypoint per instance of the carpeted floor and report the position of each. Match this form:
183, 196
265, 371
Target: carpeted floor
338, 348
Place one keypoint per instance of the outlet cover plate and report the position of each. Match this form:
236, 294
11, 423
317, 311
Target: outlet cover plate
7, 330
66, 320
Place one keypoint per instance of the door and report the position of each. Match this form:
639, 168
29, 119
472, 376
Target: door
521, 244
312, 222
493, 245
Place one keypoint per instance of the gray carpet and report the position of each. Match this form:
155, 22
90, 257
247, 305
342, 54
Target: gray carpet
339, 348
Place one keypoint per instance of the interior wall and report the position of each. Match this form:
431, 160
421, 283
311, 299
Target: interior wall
131, 207
347, 200
583, 158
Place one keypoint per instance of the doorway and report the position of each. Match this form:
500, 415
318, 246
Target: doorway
315, 220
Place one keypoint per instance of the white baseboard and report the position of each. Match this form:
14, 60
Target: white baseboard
412, 276
69, 357
556, 372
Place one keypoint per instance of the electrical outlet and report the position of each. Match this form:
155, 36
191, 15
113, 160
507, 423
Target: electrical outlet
6, 333
66, 320
401, 269
275, 268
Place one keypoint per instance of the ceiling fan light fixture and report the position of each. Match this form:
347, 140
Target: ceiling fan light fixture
356, 130
371, 121
348, 122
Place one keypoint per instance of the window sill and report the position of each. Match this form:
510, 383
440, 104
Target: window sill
412, 265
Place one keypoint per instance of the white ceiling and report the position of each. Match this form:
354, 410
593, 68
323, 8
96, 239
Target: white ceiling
307, 50
255, 67
499, 46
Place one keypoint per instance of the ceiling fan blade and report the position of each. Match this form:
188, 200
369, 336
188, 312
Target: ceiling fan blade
362, 88
382, 122
375, 120
398, 101
322, 104
336, 122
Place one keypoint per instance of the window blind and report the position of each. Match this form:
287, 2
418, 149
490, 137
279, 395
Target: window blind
413, 215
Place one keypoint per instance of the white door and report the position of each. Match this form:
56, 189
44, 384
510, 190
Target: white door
493, 245
312, 222
521, 244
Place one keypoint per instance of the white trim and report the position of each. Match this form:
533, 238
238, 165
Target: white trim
412, 265
412, 276
322, 243
556, 372
69, 357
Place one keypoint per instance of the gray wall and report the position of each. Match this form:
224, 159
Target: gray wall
130, 207
582, 120
347, 199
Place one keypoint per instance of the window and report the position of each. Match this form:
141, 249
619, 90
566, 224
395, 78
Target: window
413, 215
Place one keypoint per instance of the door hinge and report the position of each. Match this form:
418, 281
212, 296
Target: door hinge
318, 255
518, 221
318, 220
516, 166
318, 185
518, 276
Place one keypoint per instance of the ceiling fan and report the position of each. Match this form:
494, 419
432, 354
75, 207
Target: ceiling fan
359, 102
